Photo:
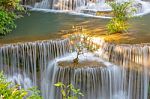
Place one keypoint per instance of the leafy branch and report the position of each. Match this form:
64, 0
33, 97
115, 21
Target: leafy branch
11, 91
66, 91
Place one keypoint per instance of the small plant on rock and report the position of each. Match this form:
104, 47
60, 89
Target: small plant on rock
81, 43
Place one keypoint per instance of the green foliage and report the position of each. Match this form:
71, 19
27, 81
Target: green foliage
122, 12
35, 93
67, 90
10, 91
117, 26
6, 22
10, 10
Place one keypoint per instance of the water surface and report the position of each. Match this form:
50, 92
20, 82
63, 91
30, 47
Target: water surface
42, 25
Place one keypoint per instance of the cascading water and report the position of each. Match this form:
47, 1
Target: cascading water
135, 58
87, 7
105, 81
24, 63
38, 63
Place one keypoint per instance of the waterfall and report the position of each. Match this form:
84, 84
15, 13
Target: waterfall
112, 72
135, 58
87, 7
126, 55
72, 5
96, 83
107, 81
43, 4
24, 63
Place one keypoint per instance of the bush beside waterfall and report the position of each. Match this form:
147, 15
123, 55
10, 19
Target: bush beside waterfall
10, 91
122, 12
9, 12
67, 90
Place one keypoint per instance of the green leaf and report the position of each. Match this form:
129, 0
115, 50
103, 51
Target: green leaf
59, 84
73, 97
63, 93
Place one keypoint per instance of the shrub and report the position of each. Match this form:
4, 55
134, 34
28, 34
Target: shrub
117, 26
10, 10
122, 12
67, 90
10, 91
6, 22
